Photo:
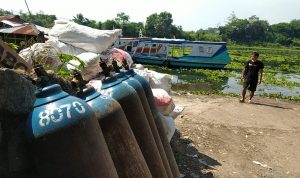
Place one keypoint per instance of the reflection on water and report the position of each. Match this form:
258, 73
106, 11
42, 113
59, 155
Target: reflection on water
185, 80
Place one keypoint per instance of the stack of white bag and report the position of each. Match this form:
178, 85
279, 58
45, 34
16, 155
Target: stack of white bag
160, 84
70, 38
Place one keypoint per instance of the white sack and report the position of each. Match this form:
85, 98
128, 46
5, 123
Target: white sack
84, 37
91, 61
169, 126
160, 80
42, 53
65, 48
146, 75
138, 66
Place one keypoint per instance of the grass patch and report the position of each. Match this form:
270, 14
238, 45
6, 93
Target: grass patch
280, 96
270, 78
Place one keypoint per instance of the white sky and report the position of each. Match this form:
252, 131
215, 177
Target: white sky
190, 14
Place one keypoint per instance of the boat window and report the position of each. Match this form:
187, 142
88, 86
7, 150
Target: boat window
209, 50
153, 45
146, 45
135, 43
187, 50
175, 51
119, 42
201, 50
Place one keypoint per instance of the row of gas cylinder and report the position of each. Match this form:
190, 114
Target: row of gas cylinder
117, 132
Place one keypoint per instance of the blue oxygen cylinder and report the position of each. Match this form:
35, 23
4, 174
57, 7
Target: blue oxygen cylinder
158, 121
126, 154
132, 106
67, 141
141, 93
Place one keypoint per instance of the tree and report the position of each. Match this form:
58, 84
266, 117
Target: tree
245, 30
151, 25
295, 28
160, 25
132, 29
80, 19
110, 25
122, 18
39, 19
5, 12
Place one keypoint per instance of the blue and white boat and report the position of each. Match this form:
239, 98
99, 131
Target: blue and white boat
176, 52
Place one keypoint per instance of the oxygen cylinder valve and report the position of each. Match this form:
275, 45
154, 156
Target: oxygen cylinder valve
125, 64
105, 68
115, 66
78, 83
42, 75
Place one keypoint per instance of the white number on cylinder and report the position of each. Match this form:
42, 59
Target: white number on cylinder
49, 115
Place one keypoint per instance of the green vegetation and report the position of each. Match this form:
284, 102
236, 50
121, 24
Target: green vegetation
280, 96
278, 61
65, 59
13, 46
270, 78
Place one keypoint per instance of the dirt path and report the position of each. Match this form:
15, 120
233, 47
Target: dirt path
220, 137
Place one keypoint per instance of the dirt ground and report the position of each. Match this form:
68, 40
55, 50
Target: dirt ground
220, 137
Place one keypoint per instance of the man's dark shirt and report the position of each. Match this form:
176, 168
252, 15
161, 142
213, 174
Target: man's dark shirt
252, 69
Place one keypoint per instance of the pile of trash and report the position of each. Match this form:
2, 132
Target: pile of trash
88, 44
92, 47
43, 108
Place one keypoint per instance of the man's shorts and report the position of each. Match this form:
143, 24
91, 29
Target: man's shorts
250, 85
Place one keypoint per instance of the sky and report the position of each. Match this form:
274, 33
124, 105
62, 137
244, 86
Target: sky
190, 14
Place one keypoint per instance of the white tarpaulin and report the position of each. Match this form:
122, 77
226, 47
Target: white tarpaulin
89, 39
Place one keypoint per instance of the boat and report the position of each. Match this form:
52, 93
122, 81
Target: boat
176, 52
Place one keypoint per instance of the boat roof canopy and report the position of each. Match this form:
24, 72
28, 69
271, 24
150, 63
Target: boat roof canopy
181, 41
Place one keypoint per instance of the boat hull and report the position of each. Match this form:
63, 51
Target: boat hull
216, 62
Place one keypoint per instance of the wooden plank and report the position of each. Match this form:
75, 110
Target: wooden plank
11, 59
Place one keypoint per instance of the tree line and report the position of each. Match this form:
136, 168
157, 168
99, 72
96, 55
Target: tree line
251, 30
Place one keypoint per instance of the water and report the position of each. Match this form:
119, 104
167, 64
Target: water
233, 86
186, 80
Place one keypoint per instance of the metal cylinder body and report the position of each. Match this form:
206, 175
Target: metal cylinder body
158, 121
141, 93
125, 152
66, 138
132, 106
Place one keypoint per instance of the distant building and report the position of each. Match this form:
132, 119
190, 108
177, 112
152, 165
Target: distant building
15, 30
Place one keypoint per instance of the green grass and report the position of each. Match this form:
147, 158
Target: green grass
275, 59
280, 96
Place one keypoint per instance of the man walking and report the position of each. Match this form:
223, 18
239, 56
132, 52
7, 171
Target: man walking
251, 72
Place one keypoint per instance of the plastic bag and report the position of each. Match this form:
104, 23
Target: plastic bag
42, 53
163, 101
